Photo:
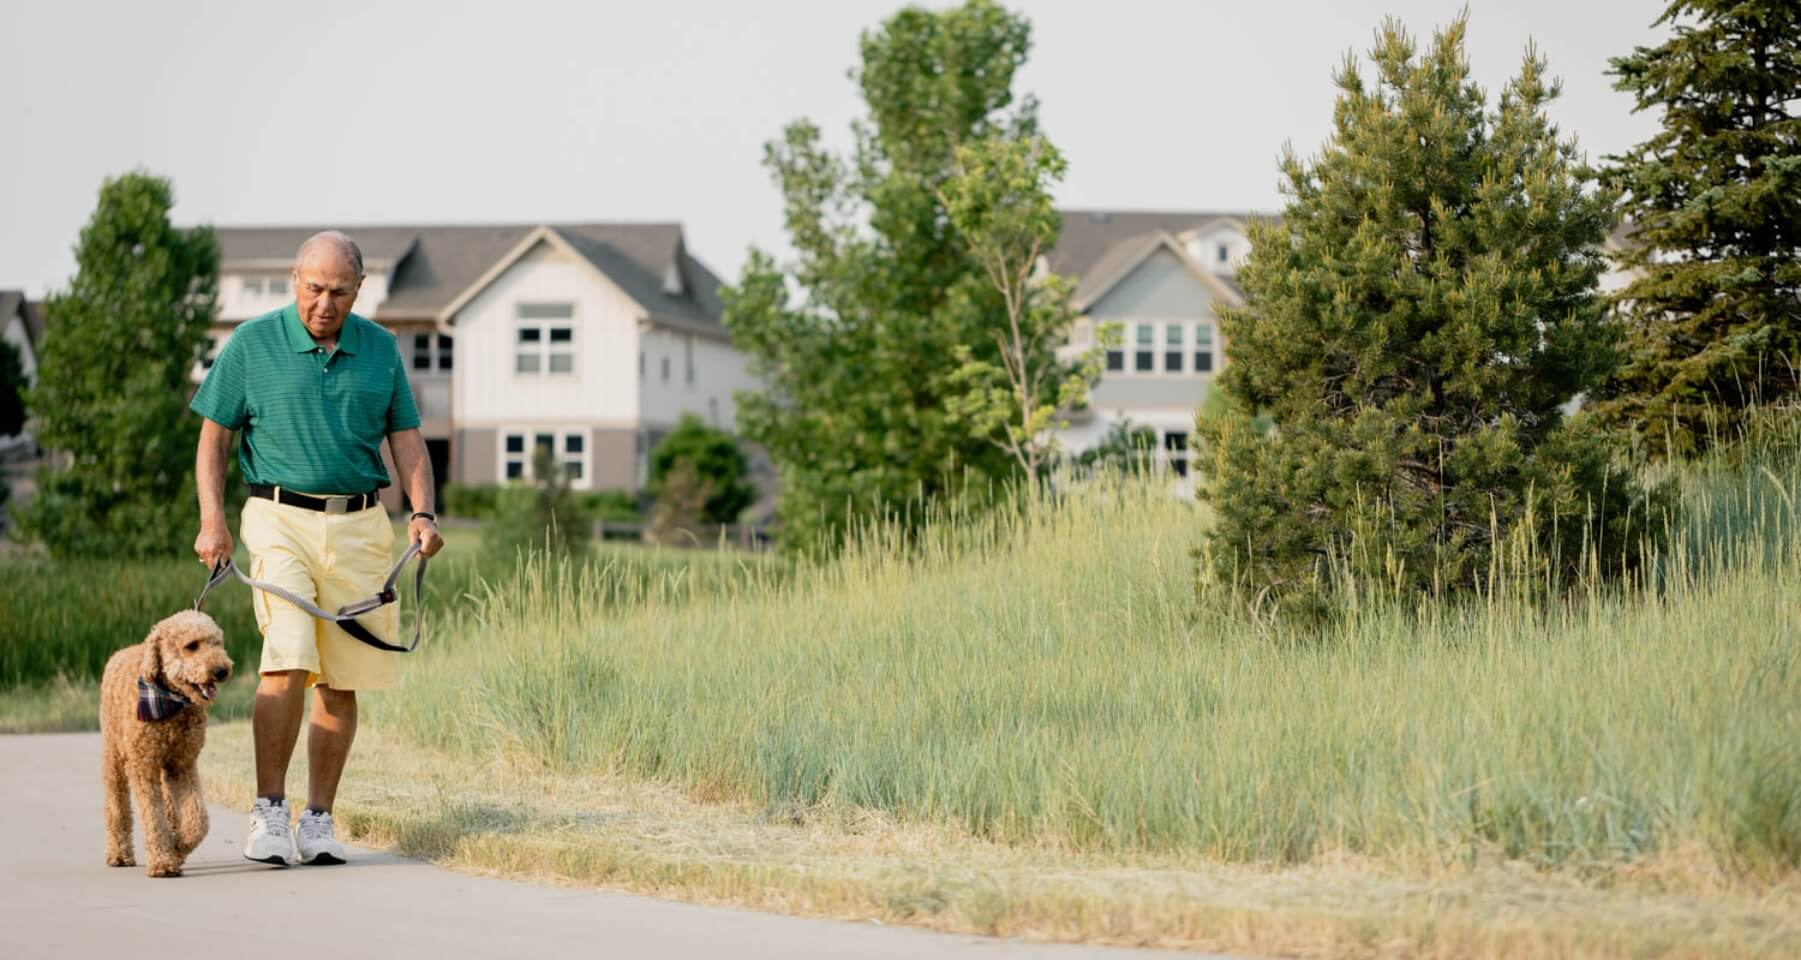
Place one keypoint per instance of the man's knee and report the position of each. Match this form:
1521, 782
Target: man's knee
281, 681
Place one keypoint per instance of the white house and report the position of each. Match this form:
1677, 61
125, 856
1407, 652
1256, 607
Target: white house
1161, 277
590, 340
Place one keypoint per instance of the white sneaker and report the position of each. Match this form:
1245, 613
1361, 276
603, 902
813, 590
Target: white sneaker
317, 845
270, 839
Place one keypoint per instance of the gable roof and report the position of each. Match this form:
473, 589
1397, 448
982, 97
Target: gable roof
432, 267
1124, 258
1093, 244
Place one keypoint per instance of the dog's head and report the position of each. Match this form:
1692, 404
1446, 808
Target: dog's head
186, 654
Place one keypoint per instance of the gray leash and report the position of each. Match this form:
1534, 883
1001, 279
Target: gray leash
346, 616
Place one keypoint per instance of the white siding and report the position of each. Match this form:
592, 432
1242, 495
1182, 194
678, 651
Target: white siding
600, 391
15, 335
719, 370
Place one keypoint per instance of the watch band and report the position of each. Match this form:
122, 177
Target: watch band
423, 513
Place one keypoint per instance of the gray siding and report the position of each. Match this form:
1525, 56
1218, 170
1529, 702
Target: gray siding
614, 458
475, 457
1162, 286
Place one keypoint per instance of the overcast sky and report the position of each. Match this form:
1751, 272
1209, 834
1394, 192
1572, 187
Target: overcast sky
433, 112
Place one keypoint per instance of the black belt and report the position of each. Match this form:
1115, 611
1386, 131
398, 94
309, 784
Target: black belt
350, 504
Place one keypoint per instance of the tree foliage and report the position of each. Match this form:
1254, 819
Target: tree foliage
113, 380
998, 198
1713, 312
1414, 324
862, 366
717, 468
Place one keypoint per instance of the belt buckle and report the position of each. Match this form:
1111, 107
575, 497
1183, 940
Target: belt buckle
337, 504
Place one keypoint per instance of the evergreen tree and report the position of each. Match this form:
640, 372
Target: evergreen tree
861, 367
1713, 312
113, 380
1414, 323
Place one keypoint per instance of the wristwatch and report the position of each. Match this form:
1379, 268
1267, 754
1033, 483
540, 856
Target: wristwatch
424, 513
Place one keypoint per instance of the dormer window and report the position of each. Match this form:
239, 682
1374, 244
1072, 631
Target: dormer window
1225, 253
673, 284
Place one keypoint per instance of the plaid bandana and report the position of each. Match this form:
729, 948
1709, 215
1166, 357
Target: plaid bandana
156, 702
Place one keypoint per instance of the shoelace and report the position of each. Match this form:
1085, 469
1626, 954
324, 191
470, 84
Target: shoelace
315, 827
274, 819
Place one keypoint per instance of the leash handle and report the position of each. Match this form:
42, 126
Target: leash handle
221, 571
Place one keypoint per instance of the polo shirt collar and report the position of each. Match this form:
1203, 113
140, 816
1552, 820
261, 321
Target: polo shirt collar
349, 336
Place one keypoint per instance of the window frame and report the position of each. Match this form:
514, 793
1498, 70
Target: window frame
544, 347
560, 436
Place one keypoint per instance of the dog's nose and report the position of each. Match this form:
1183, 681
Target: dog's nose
220, 673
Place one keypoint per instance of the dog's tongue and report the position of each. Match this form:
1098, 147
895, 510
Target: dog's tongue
208, 691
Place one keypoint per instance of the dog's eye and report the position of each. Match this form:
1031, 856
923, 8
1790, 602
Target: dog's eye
193, 645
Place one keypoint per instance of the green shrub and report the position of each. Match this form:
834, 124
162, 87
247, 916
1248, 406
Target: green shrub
718, 466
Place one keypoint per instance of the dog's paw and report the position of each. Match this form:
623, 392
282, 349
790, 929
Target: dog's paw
121, 860
164, 870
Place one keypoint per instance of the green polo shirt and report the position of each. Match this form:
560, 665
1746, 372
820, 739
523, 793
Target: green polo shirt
311, 420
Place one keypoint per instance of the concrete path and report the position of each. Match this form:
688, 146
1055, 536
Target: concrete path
58, 899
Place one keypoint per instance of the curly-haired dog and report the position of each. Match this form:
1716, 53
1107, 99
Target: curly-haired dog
153, 700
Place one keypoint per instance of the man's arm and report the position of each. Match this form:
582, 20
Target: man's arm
414, 467
213, 545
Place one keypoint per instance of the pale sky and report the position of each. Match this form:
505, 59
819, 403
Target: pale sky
383, 111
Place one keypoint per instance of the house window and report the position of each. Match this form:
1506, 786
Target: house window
278, 285
253, 286
1223, 254
445, 352
1116, 361
713, 411
546, 338
640, 363
1203, 347
431, 351
210, 354
1144, 359
1175, 448
421, 351
567, 448
665, 369
515, 456
1172, 348
688, 359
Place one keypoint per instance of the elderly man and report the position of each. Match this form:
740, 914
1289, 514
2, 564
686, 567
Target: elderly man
314, 388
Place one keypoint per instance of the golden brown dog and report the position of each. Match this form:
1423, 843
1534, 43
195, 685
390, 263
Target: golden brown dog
151, 740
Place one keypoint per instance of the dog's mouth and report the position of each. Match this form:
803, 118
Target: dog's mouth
207, 691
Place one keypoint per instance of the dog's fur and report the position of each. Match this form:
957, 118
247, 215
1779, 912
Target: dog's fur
157, 762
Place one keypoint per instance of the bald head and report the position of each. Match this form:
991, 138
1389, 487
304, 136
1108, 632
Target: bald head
328, 271
334, 245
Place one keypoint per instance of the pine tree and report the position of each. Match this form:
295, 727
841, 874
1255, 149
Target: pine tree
1414, 323
1713, 312
113, 380
861, 368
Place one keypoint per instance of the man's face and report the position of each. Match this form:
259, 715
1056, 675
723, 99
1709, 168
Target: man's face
325, 286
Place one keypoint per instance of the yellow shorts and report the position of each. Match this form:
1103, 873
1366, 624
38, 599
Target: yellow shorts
331, 559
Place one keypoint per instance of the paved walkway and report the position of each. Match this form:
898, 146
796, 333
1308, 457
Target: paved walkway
58, 899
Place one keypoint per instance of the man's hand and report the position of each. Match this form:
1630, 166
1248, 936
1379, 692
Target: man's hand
424, 532
213, 545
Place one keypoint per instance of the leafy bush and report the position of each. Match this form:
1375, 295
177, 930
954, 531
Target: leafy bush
542, 516
718, 467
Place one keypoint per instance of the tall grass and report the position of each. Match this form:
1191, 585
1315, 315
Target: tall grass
60, 621
1048, 675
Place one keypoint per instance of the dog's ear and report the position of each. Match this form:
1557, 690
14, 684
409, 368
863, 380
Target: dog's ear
150, 667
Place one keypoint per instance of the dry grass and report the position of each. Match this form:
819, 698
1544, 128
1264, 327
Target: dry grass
509, 815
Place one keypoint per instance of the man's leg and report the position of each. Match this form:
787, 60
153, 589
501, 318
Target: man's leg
328, 744
275, 727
